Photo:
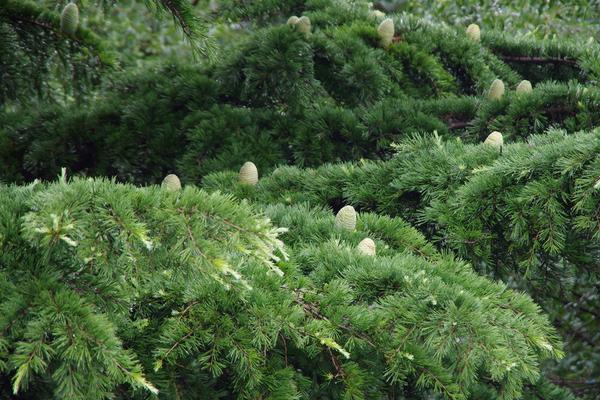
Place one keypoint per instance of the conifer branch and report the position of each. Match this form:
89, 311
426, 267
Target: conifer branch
28, 13
540, 60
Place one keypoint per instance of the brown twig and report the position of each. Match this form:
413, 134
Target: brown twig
339, 370
457, 124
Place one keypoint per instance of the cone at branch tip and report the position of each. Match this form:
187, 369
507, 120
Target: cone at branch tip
496, 90
171, 183
69, 19
346, 218
377, 14
494, 139
524, 87
367, 247
293, 20
304, 25
249, 173
386, 32
473, 32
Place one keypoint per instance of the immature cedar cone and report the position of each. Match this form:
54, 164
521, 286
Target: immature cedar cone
304, 25
377, 14
524, 87
367, 247
494, 139
293, 20
69, 19
386, 32
249, 173
171, 183
346, 218
496, 90
473, 32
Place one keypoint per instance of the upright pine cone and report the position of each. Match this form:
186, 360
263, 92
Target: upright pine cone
494, 139
346, 218
496, 90
249, 173
473, 32
171, 183
367, 247
524, 87
386, 32
69, 19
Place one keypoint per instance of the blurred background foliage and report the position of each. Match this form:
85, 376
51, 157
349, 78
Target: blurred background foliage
541, 18
139, 35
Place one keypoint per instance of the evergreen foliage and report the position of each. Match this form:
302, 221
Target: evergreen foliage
32, 38
282, 97
538, 18
415, 274
106, 284
48, 54
527, 215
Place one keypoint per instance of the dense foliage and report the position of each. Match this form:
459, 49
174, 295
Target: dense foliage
284, 97
527, 215
470, 154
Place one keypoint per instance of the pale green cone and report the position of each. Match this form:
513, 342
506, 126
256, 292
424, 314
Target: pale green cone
367, 247
346, 218
249, 173
293, 20
377, 14
386, 32
171, 183
496, 90
494, 139
524, 87
474, 33
304, 25
69, 19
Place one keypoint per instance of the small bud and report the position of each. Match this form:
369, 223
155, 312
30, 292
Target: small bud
496, 90
386, 32
293, 20
494, 139
304, 25
367, 247
249, 173
597, 184
171, 183
346, 218
69, 19
473, 32
524, 87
